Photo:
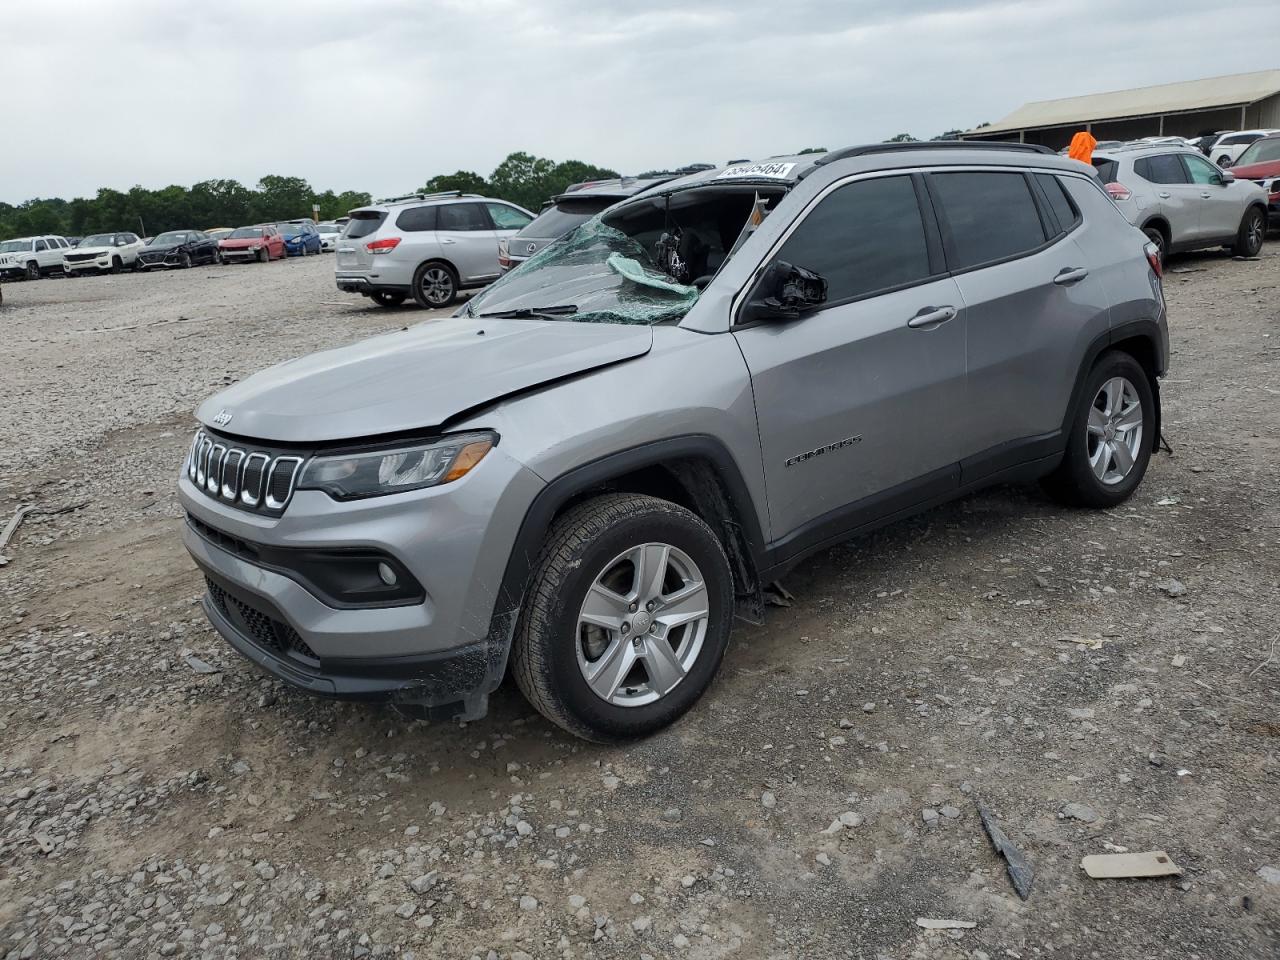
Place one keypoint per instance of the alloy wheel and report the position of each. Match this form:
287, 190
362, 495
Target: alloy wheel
1255, 234
437, 286
642, 625
1115, 428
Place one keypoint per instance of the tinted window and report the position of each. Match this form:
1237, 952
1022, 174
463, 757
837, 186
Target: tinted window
363, 223
463, 216
1202, 171
1239, 138
41, 246
1108, 170
1061, 204
990, 216
864, 237
507, 218
1165, 168
557, 220
417, 219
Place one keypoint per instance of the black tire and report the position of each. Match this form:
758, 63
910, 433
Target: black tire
1224, 161
387, 298
579, 546
439, 294
1252, 233
33, 271
184, 261
264, 255
1075, 482
116, 264
1156, 236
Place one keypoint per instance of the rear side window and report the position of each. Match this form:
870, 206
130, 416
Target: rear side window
363, 223
863, 237
463, 216
1108, 170
989, 216
1165, 168
1059, 202
417, 219
555, 221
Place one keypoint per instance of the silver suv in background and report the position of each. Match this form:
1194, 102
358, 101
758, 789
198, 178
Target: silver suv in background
602, 458
1182, 201
425, 246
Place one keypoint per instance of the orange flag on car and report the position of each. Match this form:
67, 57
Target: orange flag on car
1081, 148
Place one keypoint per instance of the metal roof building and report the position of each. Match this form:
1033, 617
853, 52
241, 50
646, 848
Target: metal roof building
1193, 107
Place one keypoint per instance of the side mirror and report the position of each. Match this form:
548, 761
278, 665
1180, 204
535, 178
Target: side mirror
784, 292
1228, 177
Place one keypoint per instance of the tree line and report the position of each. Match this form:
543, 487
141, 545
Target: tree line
521, 178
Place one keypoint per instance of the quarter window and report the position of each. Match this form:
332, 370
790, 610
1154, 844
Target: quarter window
989, 216
507, 218
463, 216
1165, 168
863, 237
417, 219
1060, 203
1202, 171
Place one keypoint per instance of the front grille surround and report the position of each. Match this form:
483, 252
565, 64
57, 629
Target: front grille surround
256, 480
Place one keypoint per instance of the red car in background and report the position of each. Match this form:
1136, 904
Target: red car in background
1260, 163
252, 243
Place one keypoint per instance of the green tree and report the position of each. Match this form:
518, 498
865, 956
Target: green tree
282, 198
463, 181
902, 138
812, 150
949, 135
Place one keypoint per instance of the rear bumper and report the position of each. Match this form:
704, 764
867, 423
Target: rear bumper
357, 283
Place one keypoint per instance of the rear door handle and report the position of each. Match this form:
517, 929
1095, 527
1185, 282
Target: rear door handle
931, 317
448, 240
1164, 196
1206, 196
1068, 275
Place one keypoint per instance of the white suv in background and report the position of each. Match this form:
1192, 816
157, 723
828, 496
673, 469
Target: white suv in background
32, 257
103, 253
1227, 148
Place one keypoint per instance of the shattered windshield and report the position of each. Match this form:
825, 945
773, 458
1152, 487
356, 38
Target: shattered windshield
643, 262
607, 275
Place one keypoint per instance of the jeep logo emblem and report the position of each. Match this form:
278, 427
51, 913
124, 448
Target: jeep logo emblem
223, 418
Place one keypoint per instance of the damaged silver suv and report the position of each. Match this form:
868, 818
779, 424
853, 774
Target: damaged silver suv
589, 470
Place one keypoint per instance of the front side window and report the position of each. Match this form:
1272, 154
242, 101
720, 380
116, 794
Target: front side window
507, 218
1202, 171
463, 216
989, 216
863, 237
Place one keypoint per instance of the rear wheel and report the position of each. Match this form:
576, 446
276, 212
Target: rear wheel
1112, 434
387, 298
434, 286
626, 619
1252, 233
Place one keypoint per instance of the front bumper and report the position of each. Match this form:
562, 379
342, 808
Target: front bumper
447, 652
168, 260
100, 265
241, 253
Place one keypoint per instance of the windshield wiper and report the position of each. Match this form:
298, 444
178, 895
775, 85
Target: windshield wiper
525, 313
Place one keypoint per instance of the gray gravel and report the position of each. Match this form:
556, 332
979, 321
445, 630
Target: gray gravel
160, 798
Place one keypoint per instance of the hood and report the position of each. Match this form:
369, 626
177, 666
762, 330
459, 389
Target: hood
415, 379
165, 247
95, 251
1258, 171
238, 242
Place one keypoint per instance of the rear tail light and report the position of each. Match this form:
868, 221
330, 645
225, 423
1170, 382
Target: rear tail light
1119, 191
1153, 258
383, 246
504, 255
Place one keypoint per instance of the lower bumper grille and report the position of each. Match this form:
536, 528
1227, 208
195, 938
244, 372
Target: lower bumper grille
271, 634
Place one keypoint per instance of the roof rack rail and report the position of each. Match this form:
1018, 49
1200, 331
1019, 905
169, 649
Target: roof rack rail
422, 196
870, 148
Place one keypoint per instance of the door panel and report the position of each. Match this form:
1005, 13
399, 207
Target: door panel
468, 241
1219, 210
868, 402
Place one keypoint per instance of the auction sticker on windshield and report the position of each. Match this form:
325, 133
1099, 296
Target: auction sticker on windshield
774, 171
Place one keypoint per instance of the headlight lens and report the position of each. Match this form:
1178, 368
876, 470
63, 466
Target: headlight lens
379, 472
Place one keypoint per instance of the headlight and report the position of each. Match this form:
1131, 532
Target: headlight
256, 248
379, 472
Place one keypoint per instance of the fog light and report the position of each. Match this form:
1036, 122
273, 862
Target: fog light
387, 575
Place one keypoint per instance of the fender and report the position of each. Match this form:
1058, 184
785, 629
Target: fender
579, 480
1148, 330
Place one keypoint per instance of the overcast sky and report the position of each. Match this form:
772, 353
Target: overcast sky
379, 96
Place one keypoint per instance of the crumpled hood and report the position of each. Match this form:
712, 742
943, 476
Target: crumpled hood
414, 379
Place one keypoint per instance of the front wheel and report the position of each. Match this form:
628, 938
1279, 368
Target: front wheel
387, 298
185, 261
33, 271
626, 618
264, 255
434, 286
116, 264
1112, 434
1252, 233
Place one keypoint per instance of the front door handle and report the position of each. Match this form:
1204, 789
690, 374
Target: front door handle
1068, 275
931, 317
1206, 196
448, 240
1164, 196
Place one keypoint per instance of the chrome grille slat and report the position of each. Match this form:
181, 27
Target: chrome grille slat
249, 479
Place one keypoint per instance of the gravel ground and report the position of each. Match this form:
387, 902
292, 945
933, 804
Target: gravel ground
1099, 680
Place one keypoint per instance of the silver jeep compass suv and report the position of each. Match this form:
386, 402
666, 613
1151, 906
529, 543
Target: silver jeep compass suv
594, 465
425, 246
